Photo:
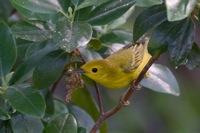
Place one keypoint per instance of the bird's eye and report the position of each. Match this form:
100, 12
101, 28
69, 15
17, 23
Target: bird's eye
94, 70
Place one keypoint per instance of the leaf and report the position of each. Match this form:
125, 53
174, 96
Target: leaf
83, 118
5, 10
148, 3
45, 6
179, 9
83, 99
95, 43
5, 127
109, 11
161, 80
25, 124
34, 30
193, 60
26, 100
71, 35
148, 19
49, 69
24, 70
64, 123
117, 36
181, 40
8, 51
83, 3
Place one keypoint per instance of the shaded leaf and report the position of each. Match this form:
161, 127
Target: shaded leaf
179, 9
49, 69
25, 124
83, 118
180, 41
71, 35
24, 70
64, 123
148, 19
8, 51
193, 60
161, 80
26, 100
109, 11
147, 3
83, 3
117, 36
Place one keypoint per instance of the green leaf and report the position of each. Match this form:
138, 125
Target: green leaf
148, 3
180, 41
6, 110
89, 54
26, 100
5, 127
117, 36
83, 99
148, 19
193, 60
24, 70
25, 124
49, 69
95, 43
34, 30
5, 9
109, 11
71, 35
8, 50
83, 3
161, 80
44, 6
81, 130
64, 123
179, 9
83, 118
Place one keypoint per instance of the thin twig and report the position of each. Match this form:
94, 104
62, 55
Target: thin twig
125, 97
96, 88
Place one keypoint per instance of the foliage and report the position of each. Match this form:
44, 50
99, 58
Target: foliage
40, 40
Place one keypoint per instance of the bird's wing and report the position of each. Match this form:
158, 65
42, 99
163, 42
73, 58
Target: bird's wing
136, 56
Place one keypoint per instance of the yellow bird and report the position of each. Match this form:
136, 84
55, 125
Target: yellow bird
119, 69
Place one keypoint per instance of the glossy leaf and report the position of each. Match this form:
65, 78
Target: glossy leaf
181, 40
148, 3
193, 60
34, 30
109, 11
64, 123
179, 9
5, 9
8, 50
26, 100
83, 118
45, 6
24, 70
71, 35
49, 69
25, 124
148, 19
161, 80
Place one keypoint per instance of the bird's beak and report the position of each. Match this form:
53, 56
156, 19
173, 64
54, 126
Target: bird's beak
79, 70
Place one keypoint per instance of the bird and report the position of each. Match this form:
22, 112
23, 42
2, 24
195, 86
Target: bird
119, 69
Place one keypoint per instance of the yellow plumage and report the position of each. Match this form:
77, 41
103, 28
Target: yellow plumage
119, 69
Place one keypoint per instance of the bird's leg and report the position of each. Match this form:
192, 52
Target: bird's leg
123, 102
136, 87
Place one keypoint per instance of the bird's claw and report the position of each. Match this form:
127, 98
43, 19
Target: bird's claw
124, 103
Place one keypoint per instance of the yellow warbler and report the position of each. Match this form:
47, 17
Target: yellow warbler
119, 69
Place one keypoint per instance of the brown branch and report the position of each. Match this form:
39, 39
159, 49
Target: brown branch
125, 97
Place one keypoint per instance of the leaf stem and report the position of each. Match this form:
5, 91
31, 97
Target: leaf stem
125, 97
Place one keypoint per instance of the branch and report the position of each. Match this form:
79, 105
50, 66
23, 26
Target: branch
125, 97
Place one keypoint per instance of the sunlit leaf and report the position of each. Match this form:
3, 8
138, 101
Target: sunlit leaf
147, 3
161, 80
179, 9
